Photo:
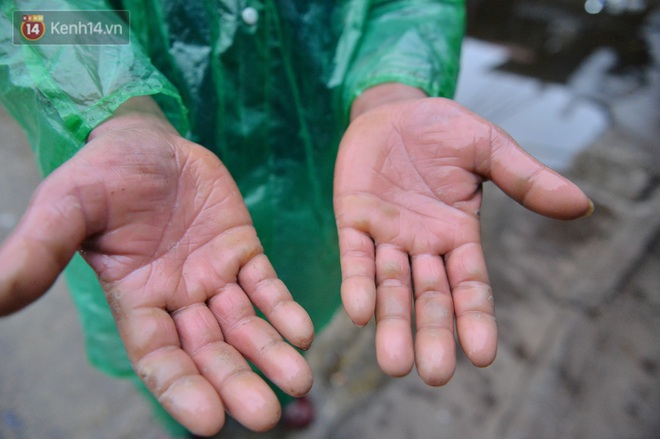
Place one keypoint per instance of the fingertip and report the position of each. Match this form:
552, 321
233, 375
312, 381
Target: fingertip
436, 378
301, 383
195, 404
290, 372
294, 324
252, 402
396, 366
394, 348
483, 358
358, 296
13, 297
28, 270
590, 209
435, 356
304, 343
576, 203
477, 334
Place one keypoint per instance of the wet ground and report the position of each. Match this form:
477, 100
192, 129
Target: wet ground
578, 303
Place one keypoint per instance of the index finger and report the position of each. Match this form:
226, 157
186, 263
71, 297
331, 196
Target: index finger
358, 272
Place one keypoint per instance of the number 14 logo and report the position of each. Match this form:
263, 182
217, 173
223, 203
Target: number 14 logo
33, 27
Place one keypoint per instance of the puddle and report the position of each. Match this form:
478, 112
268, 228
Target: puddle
548, 120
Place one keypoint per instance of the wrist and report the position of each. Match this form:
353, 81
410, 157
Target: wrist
384, 94
136, 112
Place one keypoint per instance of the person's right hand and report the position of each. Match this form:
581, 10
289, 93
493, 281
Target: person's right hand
163, 225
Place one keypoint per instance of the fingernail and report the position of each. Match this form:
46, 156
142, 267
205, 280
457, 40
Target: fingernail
591, 209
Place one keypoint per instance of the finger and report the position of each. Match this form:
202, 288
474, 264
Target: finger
358, 269
435, 348
259, 342
271, 296
394, 343
152, 344
245, 395
531, 183
43, 243
473, 303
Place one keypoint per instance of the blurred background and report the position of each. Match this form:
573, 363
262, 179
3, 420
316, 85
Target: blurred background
576, 83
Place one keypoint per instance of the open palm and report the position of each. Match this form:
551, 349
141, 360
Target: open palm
407, 198
164, 226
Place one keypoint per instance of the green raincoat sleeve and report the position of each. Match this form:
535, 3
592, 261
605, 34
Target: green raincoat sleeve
58, 99
413, 42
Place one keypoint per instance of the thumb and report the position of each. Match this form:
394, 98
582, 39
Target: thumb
42, 244
528, 181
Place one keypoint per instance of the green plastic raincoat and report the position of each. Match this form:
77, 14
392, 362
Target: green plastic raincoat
265, 84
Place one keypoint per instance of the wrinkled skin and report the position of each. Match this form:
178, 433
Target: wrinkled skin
162, 223
407, 198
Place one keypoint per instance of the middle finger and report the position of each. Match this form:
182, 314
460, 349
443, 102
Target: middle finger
435, 348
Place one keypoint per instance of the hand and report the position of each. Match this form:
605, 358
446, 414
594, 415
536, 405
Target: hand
164, 226
407, 197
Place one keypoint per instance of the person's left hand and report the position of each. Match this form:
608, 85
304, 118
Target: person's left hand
407, 197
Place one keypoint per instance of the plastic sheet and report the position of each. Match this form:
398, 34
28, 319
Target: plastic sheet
270, 96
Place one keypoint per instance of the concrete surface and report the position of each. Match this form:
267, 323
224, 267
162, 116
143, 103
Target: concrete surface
578, 307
